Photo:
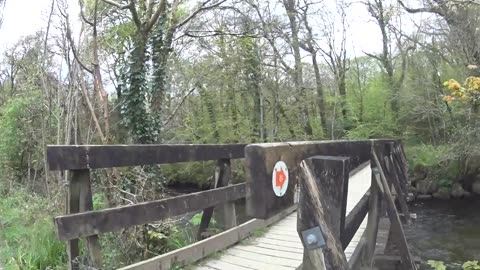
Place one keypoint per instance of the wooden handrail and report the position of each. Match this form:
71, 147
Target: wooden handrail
113, 219
354, 219
78, 157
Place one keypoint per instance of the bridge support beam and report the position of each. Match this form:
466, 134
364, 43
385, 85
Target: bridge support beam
322, 180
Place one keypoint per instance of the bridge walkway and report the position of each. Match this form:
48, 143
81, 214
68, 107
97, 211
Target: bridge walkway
279, 247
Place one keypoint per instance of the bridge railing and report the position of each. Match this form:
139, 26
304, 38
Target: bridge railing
81, 221
321, 170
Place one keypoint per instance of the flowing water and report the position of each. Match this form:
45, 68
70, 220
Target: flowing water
445, 230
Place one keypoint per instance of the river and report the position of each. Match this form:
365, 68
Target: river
445, 230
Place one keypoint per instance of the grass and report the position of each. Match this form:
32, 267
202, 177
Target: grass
27, 234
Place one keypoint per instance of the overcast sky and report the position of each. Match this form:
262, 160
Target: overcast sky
25, 17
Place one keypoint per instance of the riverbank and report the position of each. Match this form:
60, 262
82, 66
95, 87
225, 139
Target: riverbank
445, 230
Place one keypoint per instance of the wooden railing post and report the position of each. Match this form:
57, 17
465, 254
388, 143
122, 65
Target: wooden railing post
222, 178
228, 209
316, 212
374, 213
79, 199
397, 229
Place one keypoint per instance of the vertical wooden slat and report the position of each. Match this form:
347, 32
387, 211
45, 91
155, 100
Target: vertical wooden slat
396, 226
228, 210
73, 206
222, 178
86, 204
402, 195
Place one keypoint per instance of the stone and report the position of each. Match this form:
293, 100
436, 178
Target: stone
427, 186
441, 194
424, 197
457, 191
476, 187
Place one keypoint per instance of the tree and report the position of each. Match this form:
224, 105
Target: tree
383, 17
463, 22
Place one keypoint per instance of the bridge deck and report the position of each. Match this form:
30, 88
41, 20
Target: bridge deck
279, 248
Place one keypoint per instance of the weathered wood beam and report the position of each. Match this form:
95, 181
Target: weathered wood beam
261, 159
354, 219
222, 178
113, 219
75, 157
313, 212
393, 215
204, 248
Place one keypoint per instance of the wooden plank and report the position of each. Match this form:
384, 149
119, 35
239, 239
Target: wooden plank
75, 157
280, 248
222, 178
374, 213
402, 196
332, 174
354, 219
262, 258
86, 204
221, 265
394, 218
280, 243
261, 159
73, 206
270, 252
113, 219
382, 236
356, 257
313, 212
251, 263
201, 249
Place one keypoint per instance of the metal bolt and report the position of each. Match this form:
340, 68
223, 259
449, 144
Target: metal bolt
311, 239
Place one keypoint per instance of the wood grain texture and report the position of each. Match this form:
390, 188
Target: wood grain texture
354, 219
75, 157
394, 218
313, 211
277, 240
201, 249
261, 158
113, 219
222, 178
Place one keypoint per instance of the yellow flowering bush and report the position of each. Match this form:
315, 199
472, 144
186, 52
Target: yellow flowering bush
469, 91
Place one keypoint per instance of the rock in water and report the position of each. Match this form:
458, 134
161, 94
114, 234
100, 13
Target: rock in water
441, 194
476, 187
457, 191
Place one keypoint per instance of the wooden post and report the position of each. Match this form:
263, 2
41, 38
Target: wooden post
314, 212
222, 178
80, 200
396, 224
374, 213
86, 204
73, 206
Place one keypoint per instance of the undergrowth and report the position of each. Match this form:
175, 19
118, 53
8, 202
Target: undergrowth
27, 235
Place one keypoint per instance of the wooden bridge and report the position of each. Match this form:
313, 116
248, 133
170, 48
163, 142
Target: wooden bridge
315, 205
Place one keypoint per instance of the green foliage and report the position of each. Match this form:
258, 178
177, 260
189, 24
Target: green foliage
437, 265
27, 234
434, 162
471, 265
427, 155
468, 265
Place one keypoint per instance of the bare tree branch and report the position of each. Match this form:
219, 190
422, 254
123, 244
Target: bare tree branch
178, 107
82, 13
118, 5
202, 8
